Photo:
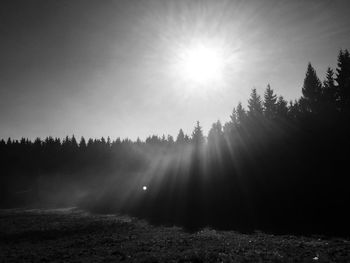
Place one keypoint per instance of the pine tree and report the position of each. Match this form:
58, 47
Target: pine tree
329, 92
234, 116
170, 140
312, 90
163, 140
270, 105
241, 113
37, 143
82, 143
90, 143
281, 107
180, 137
215, 133
229, 126
294, 109
66, 143
73, 143
197, 135
343, 81
329, 89
255, 105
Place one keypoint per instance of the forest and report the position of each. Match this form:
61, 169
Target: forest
276, 166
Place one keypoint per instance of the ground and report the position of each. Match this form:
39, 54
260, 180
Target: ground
72, 235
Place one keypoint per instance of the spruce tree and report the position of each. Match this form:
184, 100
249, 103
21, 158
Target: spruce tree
234, 117
329, 92
170, 140
197, 135
82, 143
312, 90
241, 113
254, 105
180, 137
281, 107
270, 105
73, 143
215, 133
343, 81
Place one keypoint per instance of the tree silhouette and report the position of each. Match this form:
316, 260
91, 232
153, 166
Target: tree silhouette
270, 105
281, 107
197, 135
343, 81
312, 90
170, 140
255, 108
234, 117
241, 113
180, 139
329, 92
215, 133
82, 143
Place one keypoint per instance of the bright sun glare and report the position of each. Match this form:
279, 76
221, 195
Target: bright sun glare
201, 63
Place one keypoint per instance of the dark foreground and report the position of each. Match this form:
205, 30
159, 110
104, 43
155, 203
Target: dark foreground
71, 235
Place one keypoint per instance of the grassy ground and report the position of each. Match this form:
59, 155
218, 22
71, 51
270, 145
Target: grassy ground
71, 235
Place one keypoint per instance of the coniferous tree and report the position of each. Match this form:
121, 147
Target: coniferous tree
215, 133
66, 143
329, 89
197, 135
234, 117
163, 140
180, 137
229, 126
343, 81
73, 144
312, 90
103, 142
82, 143
90, 143
170, 139
37, 143
241, 113
23, 141
255, 108
281, 107
329, 92
270, 104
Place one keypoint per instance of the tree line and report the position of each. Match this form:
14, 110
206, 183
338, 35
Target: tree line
276, 165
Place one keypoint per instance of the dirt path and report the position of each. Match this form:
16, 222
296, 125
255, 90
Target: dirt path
71, 235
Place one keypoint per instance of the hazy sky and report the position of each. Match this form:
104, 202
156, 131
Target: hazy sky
104, 68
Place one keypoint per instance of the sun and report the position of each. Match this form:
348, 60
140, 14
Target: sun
201, 63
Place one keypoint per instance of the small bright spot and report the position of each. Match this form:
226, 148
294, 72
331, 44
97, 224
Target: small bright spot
144, 188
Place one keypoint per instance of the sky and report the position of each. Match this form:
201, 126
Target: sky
106, 68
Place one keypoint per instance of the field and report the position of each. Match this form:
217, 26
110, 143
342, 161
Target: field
72, 235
